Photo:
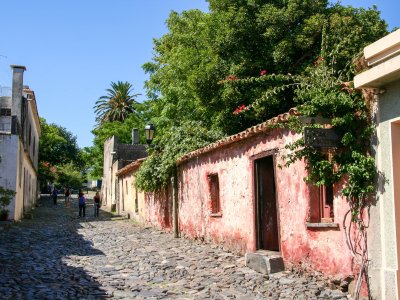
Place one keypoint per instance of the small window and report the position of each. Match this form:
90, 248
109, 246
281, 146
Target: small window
321, 204
326, 203
214, 193
5, 112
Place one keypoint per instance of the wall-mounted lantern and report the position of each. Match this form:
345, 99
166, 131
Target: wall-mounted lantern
149, 131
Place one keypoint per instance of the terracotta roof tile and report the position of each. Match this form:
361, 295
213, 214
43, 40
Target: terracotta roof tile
249, 132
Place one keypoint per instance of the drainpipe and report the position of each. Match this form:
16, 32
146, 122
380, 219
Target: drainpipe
174, 182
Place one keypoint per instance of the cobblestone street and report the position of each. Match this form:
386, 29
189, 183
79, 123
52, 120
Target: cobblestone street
56, 255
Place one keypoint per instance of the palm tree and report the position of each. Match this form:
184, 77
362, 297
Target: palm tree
117, 105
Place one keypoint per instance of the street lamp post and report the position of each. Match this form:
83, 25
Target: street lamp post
149, 131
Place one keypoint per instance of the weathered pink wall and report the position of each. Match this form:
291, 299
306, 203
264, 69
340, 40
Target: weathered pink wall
322, 249
158, 212
319, 249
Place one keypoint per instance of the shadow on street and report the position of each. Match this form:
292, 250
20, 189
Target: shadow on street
33, 254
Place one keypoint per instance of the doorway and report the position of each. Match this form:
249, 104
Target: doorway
267, 236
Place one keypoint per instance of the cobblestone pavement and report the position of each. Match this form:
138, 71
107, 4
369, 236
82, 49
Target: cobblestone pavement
56, 255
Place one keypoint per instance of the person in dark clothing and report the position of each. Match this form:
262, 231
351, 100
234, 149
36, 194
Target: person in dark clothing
82, 205
96, 204
55, 194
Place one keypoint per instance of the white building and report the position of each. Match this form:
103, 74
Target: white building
19, 145
383, 77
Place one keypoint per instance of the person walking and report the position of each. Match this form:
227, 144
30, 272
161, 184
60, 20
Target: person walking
55, 194
96, 204
67, 194
82, 204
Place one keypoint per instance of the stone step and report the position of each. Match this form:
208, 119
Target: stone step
265, 262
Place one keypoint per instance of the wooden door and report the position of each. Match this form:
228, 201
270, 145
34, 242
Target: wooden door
267, 219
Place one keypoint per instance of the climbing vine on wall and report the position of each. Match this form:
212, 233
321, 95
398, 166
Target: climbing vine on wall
191, 136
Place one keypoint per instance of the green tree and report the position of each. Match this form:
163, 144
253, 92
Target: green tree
195, 72
57, 147
68, 175
117, 105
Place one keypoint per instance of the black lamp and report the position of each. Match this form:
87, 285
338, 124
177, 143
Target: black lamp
149, 131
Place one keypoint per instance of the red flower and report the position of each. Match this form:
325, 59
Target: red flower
239, 109
263, 72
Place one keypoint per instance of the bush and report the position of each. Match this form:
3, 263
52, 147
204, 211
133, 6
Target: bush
5, 199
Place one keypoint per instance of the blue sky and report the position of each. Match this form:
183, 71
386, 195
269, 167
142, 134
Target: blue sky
74, 49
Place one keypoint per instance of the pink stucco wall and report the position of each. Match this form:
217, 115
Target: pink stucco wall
158, 212
319, 249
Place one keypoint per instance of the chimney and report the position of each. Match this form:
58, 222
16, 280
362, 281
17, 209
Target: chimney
16, 96
135, 136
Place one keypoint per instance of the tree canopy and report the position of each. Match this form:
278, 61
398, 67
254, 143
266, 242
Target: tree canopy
60, 159
58, 145
196, 65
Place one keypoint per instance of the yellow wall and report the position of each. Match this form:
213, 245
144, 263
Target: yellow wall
127, 195
19, 196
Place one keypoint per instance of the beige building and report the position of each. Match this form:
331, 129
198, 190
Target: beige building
131, 200
116, 157
383, 77
19, 145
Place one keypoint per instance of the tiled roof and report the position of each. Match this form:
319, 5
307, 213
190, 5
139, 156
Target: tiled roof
132, 166
259, 128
